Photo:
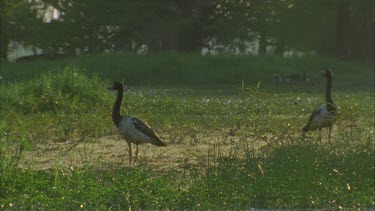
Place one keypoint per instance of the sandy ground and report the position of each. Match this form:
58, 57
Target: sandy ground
111, 152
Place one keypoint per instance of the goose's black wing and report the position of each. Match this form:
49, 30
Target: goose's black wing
143, 127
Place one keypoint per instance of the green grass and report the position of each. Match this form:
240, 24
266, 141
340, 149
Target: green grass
186, 70
264, 163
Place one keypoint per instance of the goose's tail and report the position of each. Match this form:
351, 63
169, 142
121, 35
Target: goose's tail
158, 142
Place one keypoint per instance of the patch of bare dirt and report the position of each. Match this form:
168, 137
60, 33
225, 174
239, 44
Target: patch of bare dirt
111, 152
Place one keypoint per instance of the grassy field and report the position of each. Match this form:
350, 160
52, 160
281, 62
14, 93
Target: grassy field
231, 144
191, 70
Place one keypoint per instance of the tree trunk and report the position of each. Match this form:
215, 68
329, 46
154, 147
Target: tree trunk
340, 44
262, 44
4, 42
280, 48
154, 44
4, 38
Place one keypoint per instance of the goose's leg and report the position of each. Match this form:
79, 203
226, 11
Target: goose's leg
130, 152
303, 135
329, 134
136, 153
320, 135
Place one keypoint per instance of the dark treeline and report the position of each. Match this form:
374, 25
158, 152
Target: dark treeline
338, 28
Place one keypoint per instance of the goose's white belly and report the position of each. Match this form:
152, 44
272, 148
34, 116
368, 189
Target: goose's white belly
130, 133
323, 118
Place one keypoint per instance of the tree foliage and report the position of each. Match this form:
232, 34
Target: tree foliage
17, 21
340, 28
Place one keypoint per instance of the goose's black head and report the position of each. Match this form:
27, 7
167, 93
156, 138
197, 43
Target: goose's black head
327, 73
116, 86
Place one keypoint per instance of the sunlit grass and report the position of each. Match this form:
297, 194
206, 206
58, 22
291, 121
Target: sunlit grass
250, 155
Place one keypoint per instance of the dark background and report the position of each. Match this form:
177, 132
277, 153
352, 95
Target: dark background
342, 29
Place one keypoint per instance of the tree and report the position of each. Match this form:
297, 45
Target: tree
352, 36
340, 28
17, 19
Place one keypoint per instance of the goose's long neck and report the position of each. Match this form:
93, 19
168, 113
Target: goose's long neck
329, 101
116, 116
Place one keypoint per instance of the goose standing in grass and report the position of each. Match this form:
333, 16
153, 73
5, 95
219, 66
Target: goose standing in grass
132, 129
324, 115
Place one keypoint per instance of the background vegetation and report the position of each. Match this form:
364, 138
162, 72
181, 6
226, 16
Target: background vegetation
338, 28
186, 70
